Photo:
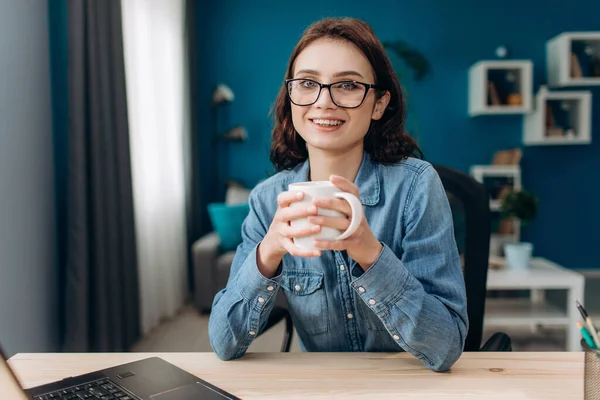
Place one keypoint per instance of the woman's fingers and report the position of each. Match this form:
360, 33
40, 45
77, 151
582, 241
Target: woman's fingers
291, 232
333, 203
339, 223
337, 245
299, 211
344, 184
286, 198
296, 251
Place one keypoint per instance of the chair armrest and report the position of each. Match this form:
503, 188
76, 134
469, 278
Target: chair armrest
277, 314
498, 342
204, 259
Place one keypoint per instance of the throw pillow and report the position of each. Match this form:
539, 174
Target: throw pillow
236, 194
227, 222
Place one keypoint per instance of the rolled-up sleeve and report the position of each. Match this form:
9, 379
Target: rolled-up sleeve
420, 296
240, 310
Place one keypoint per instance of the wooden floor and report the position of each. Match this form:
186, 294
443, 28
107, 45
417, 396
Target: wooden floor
188, 331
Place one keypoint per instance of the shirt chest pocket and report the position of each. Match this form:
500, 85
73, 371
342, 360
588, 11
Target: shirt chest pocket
307, 300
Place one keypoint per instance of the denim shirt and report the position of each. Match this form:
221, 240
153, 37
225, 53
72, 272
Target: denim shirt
412, 298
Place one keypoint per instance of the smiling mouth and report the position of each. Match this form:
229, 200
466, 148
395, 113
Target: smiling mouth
327, 122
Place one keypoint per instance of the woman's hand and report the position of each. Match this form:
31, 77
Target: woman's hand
362, 246
278, 240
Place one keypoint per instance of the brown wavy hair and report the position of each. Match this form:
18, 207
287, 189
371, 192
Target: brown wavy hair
386, 141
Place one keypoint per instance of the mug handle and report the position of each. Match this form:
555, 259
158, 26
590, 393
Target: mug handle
357, 213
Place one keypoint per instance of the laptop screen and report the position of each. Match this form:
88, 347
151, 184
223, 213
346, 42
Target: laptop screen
9, 387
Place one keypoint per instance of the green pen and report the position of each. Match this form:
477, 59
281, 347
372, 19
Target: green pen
586, 336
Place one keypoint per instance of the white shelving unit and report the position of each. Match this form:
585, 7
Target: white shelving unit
542, 275
522, 312
479, 173
485, 100
560, 65
576, 110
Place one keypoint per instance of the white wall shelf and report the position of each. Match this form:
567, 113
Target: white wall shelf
559, 118
573, 59
500, 87
482, 173
522, 312
479, 172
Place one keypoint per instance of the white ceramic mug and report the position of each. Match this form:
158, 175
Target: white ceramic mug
324, 189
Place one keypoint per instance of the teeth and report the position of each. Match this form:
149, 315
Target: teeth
328, 122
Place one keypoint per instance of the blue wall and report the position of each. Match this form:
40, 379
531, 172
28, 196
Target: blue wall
247, 44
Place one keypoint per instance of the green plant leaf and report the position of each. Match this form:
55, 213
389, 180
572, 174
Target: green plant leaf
413, 58
520, 204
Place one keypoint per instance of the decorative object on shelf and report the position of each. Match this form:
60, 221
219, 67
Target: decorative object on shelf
513, 98
222, 98
572, 59
523, 206
237, 134
222, 94
559, 117
496, 262
500, 87
508, 157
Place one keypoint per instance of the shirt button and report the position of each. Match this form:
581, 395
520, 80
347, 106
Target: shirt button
361, 289
350, 316
270, 288
372, 301
252, 333
297, 288
396, 337
342, 268
261, 300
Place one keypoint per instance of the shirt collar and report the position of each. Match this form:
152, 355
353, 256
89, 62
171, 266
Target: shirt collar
367, 179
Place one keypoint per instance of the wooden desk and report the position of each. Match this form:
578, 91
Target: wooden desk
310, 376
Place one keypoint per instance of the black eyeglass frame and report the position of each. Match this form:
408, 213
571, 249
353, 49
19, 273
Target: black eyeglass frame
367, 86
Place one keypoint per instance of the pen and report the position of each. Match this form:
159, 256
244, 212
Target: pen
586, 336
582, 311
590, 325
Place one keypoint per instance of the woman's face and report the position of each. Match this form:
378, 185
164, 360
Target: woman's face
324, 125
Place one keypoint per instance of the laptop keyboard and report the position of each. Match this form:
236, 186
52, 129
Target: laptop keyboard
102, 389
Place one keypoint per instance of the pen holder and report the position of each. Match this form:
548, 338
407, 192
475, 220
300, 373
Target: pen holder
591, 372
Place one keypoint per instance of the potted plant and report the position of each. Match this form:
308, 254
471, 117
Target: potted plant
523, 206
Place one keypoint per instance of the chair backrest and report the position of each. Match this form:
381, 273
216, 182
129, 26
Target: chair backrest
471, 214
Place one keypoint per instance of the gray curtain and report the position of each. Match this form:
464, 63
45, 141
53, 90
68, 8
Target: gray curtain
100, 281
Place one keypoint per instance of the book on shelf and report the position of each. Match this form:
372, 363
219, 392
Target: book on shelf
575, 67
493, 97
507, 157
555, 131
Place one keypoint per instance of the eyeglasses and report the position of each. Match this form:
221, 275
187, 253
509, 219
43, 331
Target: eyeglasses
344, 94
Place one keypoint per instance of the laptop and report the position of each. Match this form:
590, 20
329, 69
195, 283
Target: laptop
148, 379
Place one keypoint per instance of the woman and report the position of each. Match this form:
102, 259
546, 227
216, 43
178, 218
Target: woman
396, 283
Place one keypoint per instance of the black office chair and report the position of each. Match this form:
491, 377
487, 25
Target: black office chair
472, 227
279, 313
471, 214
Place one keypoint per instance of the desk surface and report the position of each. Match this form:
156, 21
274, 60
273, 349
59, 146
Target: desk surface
345, 375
